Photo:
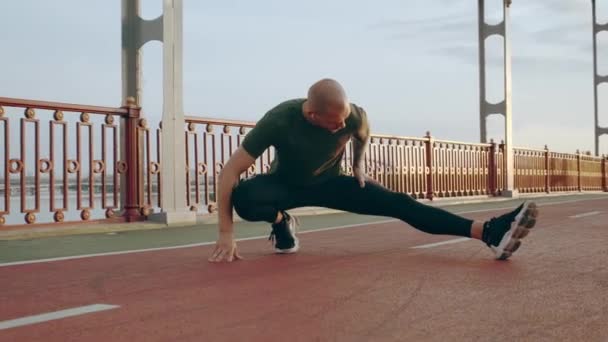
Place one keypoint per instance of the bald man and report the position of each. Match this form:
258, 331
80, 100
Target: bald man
310, 136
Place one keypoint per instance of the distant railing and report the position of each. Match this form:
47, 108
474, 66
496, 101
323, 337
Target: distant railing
425, 168
546, 171
74, 163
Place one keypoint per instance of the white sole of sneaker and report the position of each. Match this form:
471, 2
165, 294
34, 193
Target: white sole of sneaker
291, 250
524, 221
294, 230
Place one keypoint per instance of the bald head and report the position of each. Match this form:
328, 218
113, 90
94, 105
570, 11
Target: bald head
327, 105
327, 95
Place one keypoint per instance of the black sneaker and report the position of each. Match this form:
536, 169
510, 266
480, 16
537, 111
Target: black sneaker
503, 234
284, 235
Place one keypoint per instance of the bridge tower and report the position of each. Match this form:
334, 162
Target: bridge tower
597, 78
504, 107
168, 29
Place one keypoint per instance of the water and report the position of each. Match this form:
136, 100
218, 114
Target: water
16, 217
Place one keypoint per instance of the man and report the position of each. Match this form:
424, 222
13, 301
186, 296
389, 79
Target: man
309, 136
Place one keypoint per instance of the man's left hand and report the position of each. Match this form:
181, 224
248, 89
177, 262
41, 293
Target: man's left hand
359, 173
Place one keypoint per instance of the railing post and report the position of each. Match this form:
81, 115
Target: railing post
492, 168
501, 162
578, 170
131, 142
547, 171
605, 173
429, 165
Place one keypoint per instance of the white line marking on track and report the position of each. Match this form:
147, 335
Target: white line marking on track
51, 316
83, 256
431, 245
586, 214
199, 244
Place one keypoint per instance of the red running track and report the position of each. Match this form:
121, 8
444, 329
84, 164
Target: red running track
357, 284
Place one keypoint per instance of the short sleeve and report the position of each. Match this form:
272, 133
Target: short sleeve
262, 136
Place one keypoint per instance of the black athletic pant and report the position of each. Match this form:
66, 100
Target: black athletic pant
261, 198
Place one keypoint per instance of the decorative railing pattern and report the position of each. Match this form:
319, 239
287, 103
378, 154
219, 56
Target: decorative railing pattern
209, 145
425, 168
75, 163
546, 171
592, 173
531, 170
66, 166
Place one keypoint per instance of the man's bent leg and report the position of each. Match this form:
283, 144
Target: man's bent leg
265, 198
260, 198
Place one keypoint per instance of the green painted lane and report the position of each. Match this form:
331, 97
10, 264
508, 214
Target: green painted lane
53, 247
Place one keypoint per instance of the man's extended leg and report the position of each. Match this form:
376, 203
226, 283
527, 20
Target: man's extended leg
344, 193
502, 234
265, 198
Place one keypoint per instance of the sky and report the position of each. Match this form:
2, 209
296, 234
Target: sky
412, 64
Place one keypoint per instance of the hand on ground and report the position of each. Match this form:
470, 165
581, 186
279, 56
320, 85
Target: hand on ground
225, 249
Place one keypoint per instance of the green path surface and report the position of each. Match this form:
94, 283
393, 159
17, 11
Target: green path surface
40, 248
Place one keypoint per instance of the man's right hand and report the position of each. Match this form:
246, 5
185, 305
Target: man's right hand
225, 249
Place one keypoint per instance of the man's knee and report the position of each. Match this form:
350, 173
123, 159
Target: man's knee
244, 201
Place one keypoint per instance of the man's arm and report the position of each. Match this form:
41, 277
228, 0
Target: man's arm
255, 143
238, 163
360, 142
225, 247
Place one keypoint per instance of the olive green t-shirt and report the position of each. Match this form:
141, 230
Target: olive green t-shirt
304, 153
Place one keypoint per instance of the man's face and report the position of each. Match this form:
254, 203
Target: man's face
332, 119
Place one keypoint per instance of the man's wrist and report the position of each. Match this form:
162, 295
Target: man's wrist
226, 231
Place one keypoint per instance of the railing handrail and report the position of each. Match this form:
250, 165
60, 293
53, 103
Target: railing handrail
70, 107
251, 124
526, 149
398, 137
212, 121
462, 143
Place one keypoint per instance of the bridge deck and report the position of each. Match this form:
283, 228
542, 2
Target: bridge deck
363, 283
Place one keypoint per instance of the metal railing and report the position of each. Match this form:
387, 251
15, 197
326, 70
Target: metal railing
425, 168
76, 163
209, 145
66, 166
546, 171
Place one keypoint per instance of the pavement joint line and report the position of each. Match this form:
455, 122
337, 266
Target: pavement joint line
207, 243
55, 315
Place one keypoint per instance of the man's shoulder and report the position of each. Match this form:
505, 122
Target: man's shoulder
288, 106
357, 113
284, 111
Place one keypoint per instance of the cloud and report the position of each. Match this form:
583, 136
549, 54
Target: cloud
573, 34
465, 53
469, 54
445, 27
558, 138
564, 23
432, 24
569, 7
553, 44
